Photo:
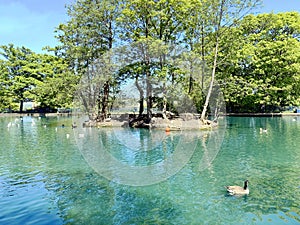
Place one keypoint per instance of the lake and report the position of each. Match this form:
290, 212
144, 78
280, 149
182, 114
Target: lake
53, 174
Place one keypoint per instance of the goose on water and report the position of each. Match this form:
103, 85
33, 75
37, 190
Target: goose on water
238, 190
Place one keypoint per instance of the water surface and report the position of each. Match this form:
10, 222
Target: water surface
46, 179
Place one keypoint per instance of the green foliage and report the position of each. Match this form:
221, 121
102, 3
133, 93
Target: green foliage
88, 34
57, 91
22, 69
262, 71
6, 98
95, 26
26, 75
159, 20
256, 59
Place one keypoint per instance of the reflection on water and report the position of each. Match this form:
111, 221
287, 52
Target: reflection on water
44, 179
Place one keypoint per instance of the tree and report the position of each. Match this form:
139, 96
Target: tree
263, 73
58, 86
30, 76
224, 13
198, 26
88, 34
144, 22
157, 74
6, 99
194, 24
24, 71
159, 20
93, 93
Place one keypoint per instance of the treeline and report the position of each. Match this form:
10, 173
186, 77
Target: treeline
254, 59
261, 69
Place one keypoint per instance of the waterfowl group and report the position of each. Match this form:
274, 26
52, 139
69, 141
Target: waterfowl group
238, 190
34, 123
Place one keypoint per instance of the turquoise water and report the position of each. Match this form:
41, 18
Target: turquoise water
51, 174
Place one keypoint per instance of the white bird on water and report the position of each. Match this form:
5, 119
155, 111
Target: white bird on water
261, 130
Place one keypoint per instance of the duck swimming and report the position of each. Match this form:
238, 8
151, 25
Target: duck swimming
237, 190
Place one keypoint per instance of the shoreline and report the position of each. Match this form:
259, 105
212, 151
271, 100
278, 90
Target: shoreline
185, 122
36, 114
261, 114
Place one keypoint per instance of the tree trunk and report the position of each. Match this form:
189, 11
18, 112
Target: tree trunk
191, 80
203, 56
148, 83
149, 95
105, 100
204, 111
86, 105
164, 102
141, 101
21, 106
98, 115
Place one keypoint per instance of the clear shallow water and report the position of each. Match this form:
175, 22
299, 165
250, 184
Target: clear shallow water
44, 178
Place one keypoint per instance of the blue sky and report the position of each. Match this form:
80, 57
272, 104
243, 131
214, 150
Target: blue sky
31, 23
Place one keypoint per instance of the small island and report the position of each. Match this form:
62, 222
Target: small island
184, 121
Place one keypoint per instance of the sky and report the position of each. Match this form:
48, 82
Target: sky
31, 23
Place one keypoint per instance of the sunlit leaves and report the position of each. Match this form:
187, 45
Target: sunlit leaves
28, 76
267, 57
89, 32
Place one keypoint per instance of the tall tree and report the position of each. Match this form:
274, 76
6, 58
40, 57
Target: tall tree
23, 69
144, 22
225, 13
88, 34
159, 20
263, 72
6, 98
58, 86
30, 76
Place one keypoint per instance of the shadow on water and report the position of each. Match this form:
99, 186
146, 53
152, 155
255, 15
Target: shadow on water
88, 199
